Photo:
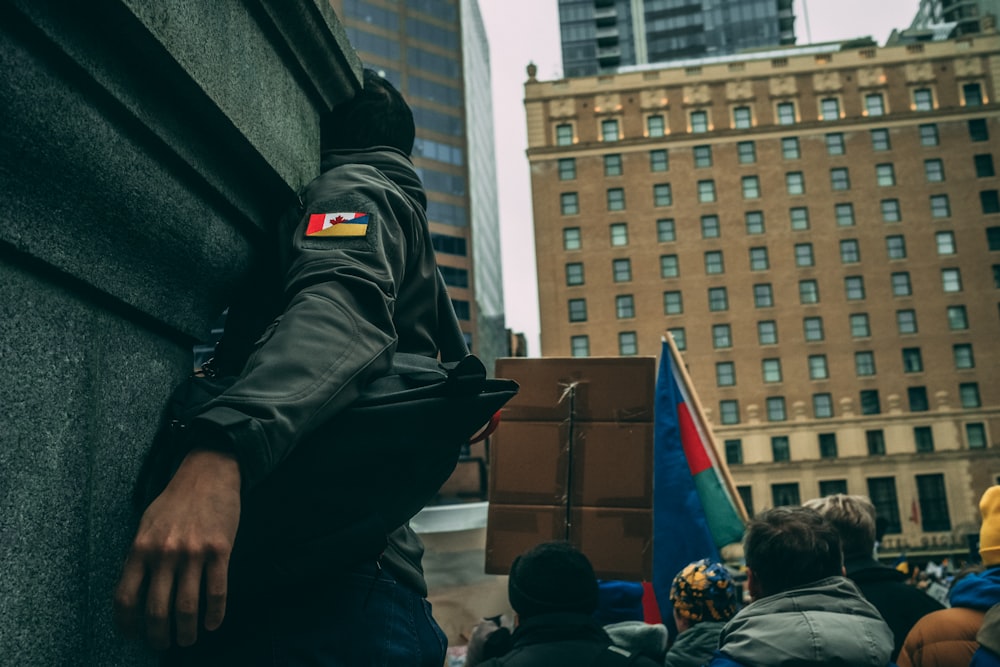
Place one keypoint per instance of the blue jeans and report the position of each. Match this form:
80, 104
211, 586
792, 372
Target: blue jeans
363, 619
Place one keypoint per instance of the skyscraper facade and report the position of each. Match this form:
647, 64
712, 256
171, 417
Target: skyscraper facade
967, 15
819, 230
599, 36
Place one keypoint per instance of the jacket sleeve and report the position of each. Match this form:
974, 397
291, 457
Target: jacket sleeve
345, 261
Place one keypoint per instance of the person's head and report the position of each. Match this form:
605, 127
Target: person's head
786, 547
377, 116
989, 532
552, 577
854, 519
703, 591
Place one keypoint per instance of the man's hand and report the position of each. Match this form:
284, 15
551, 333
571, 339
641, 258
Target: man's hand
181, 552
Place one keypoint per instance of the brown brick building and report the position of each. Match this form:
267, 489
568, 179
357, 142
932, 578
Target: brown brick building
820, 230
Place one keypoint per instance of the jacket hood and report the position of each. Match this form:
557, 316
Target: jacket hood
979, 590
868, 570
392, 162
827, 622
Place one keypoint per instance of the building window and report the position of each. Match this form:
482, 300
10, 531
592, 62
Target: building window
776, 409
808, 291
945, 242
963, 356
771, 370
844, 214
751, 187
917, 398
923, 99
679, 336
969, 394
780, 450
989, 200
854, 287
951, 280
571, 238
870, 403
673, 304
579, 346
972, 93
742, 118
767, 332
754, 222
795, 183
975, 435
958, 319
746, 495
813, 328
906, 321
746, 152
564, 135
890, 210
569, 203
699, 121
835, 144
859, 325
713, 262
978, 131
616, 199
702, 156
763, 297
662, 195
790, 148
818, 369
874, 104
624, 306
734, 451
876, 442
822, 406
613, 165
895, 247
832, 487
574, 273
912, 360
665, 230
880, 140
621, 270
758, 259
786, 113
799, 217
577, 310
840, 179
729, 412
828, 445
804, 254
934, 170
882, 492
850, 251
929, 135
785, 495
901, 284
658, 160
619, 234
864, 363
718, 299
609, 130
628, 344
940, 208
567, 169
706, 191
669, 266
934, 516
725, 374
655, 126
710, 227
722, 336
885, 175
829, 108
923, 439
984, 165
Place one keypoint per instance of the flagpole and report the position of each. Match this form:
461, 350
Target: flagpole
699, 413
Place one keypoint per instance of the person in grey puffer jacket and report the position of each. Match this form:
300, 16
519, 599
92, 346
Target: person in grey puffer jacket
805, 612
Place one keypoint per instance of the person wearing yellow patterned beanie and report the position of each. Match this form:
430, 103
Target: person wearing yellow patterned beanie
948, 637
704, 597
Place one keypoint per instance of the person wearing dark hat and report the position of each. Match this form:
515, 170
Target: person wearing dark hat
704, 597
553, 591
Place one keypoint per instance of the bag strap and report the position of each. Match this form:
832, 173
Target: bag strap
451, 340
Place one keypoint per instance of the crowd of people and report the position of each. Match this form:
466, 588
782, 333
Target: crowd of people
814, 594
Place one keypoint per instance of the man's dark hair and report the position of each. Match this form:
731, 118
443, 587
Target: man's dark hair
552, 577
787, 547
377, 116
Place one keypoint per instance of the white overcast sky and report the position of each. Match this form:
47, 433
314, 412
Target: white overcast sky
523, 31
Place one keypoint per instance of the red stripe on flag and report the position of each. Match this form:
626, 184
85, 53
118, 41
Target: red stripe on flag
694, 448
650, 609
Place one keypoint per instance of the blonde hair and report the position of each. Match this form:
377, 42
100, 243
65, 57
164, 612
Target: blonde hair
854, 519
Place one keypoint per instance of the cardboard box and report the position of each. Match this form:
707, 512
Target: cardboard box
603, 388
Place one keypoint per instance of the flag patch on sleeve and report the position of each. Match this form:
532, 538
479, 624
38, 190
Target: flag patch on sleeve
337, 224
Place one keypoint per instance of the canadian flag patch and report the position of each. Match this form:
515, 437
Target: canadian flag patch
337, 224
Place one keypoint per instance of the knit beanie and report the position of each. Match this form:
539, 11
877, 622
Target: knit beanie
989, 533
704, 591
550, 578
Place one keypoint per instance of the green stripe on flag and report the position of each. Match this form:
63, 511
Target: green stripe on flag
723, 520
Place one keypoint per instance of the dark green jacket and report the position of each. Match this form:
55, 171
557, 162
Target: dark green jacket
695, 646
